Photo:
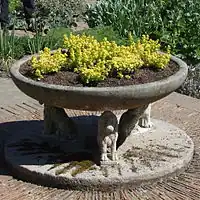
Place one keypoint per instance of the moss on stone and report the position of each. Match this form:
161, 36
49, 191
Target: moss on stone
54, 166
81, 166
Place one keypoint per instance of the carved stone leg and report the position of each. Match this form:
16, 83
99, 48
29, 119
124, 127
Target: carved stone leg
114, 150
49, 126
127, 123
145, 119
107, 135
57, 122
104, 156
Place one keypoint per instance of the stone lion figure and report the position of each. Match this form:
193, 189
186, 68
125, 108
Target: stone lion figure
108, 135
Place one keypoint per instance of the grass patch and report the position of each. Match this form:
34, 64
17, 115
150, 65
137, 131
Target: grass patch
80, 166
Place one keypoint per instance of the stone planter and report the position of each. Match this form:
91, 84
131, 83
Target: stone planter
92, 98
114, 140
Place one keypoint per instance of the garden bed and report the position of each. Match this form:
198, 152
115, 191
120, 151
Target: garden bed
69, 78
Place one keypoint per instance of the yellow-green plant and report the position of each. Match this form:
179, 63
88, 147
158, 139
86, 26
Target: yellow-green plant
148, 50
48, 62
95, 61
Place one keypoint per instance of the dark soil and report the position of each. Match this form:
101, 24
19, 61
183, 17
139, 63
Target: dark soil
141, 76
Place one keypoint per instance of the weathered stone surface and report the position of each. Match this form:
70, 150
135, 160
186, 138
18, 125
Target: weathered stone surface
143, 157
145, 120
57, 122
107, 135
16, 109
177, 109
128, 121
98, 99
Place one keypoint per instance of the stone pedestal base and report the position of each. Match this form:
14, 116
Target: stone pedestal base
163, 151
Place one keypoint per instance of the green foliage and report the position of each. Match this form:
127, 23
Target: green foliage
124, 15
58, 32
56, 13
11, 47
101, 32
39, 42
14, 5
175, 22
53, 40
51, 13
94, 61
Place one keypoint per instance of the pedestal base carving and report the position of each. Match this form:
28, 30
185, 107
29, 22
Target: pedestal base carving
111, 134
57, 122
145, 119
127, 123
67, 164
107, 135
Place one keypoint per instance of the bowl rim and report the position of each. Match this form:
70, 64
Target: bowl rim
14, 71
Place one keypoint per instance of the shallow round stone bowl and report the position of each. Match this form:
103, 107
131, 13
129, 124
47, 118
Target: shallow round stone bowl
98, 98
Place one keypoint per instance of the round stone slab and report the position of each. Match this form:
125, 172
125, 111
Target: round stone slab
146, 156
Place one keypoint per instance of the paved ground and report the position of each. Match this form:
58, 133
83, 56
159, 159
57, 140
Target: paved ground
16, 111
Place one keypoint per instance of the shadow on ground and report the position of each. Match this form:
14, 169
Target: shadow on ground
25, 138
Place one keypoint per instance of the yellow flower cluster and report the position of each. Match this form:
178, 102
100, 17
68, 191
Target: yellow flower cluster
95, 61
149, 52
48, 62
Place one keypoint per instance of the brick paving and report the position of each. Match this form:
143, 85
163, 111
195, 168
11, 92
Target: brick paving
177, 109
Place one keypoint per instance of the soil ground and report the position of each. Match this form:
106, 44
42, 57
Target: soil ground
67, 78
